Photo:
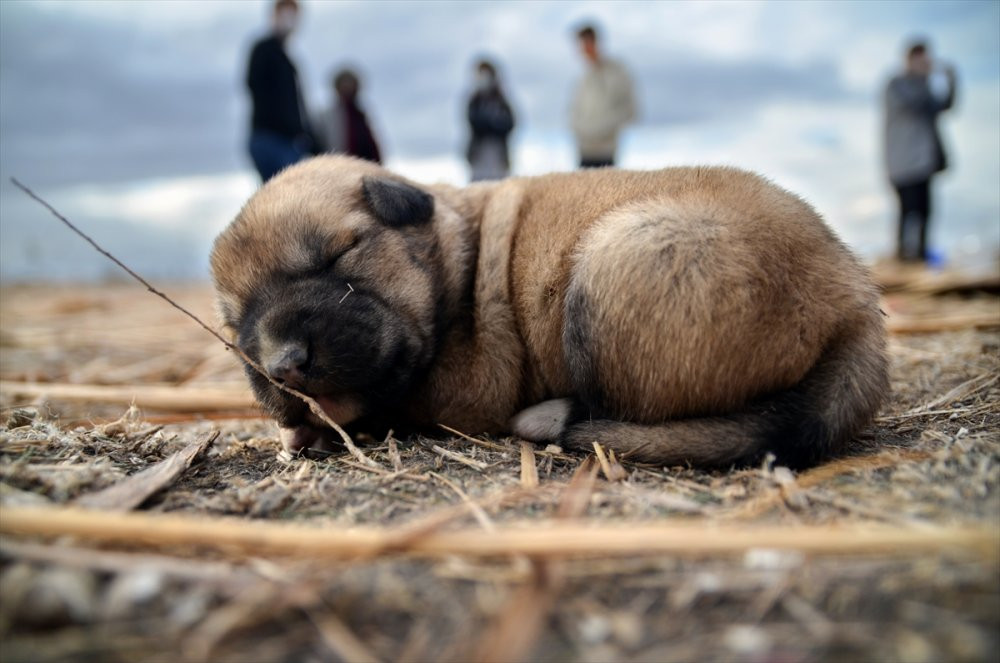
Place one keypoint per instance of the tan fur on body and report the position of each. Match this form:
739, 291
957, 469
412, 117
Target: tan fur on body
672, 303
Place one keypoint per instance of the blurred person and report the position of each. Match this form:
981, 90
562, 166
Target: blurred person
491, 121
913, 149
279, 134
343, 128
604, 103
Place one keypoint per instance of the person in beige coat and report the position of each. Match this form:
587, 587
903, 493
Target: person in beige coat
603, 105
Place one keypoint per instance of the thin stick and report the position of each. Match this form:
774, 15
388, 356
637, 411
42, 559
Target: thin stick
397, 461
118, 262
366, 468
576, 497
455, 456
175, 399
943, 323
313, 405
550, 538
482, 443
517, 628
822, 474
916, 415
962, 391
399, 540
529, 471
477, 511
612, 470
350, 289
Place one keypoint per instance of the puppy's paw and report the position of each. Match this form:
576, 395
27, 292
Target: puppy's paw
544, 422
302, 438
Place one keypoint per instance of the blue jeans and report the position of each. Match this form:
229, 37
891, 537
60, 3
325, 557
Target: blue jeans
272, 152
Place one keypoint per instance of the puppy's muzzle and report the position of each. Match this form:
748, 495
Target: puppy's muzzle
286, 365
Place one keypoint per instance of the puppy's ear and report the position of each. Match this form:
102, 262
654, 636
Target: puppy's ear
395, 203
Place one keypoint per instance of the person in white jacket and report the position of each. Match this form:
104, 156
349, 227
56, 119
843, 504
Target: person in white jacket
603, 105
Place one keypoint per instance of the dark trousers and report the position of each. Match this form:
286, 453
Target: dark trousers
591, 162
914, 215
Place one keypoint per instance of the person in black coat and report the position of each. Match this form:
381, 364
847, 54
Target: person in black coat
279, 133
491, 121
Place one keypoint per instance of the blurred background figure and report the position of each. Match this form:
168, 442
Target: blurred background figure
343, 128
913, 149
279, 134
491, 121
781, 88
603, 105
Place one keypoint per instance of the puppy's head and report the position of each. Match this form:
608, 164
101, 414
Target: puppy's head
329, 278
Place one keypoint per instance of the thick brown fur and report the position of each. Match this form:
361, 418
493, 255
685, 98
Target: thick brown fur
696, 315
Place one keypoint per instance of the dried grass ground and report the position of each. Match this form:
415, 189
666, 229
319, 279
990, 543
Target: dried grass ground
797, 583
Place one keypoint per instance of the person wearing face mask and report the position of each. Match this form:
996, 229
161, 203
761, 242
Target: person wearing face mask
491, 121
279, 133
913, 149
344, 128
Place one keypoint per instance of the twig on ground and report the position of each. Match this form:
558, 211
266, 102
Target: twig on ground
905, 325
402, 539
822, 474
482, 443
314, 407
459, 458
367, 468
477, 511
960, 392
549, 539
132, 491
517, 628
394, 457
176, 399
529, 471
612, 469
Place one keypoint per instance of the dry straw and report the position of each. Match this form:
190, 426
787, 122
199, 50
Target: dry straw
548, 540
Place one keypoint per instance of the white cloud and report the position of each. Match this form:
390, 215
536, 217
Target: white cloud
117, 130
446, 169
200, 205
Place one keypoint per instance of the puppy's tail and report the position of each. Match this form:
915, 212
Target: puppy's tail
801, 426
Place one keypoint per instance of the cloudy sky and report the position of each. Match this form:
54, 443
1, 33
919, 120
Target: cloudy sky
132, 116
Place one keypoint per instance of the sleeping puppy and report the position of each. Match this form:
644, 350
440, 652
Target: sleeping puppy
687, 315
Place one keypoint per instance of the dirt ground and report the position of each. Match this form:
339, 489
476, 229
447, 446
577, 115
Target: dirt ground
928, 469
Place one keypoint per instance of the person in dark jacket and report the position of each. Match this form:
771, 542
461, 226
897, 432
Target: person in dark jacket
913, 149
490, 122
279, 134
344, 127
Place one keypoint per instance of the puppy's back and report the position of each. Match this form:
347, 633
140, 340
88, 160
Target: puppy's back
696, 315
697, 288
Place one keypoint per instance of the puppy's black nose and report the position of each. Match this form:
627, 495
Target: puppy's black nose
287, 363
